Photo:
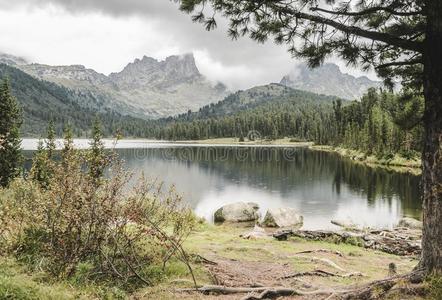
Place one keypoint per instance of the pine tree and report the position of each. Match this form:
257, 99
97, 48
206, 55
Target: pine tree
50, 140
40, 171
10, 142
68, 150
97, 157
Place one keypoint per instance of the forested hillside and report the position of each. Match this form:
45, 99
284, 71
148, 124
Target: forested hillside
381, 123
269, 111
42, 101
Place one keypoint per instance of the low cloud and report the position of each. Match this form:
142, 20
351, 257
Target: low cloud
107, 34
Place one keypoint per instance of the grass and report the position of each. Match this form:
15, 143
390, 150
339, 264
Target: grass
213, 242
16, 283
397, 163
224, 241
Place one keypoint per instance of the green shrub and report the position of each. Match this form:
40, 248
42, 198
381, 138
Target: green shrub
84, 226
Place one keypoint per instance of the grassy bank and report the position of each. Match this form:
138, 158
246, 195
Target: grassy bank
397, 162
235, 262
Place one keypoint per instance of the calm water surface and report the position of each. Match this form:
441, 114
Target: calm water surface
321, 185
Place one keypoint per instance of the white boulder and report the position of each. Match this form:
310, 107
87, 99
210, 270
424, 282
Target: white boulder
283, 217
237, 212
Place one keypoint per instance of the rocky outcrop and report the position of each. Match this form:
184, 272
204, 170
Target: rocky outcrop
283, 217
329, 80
145, 88
410, 223
237, 212
173, 71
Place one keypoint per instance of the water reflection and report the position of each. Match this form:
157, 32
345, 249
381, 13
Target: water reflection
322, 186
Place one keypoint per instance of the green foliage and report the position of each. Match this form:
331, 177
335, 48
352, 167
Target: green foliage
371, 126
10, 122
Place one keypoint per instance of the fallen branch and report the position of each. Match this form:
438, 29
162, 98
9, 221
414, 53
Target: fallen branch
373, 290
270, 292
200, 259
322, 251
322, 273
322, 260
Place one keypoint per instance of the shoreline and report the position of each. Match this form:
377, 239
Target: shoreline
397, 163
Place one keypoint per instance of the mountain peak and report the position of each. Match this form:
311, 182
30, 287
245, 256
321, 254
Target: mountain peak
175, 69
12, 60
329, 80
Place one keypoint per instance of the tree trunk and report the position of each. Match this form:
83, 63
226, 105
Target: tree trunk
431, 260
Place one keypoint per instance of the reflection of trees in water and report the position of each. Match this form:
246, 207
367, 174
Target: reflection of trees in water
379, 183
287, 169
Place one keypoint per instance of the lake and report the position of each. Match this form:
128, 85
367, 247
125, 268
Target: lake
322, 186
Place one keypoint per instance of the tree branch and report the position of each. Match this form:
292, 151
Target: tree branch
400, 63
373, 35
368, 11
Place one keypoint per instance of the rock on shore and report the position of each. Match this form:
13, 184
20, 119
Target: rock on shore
283, 217
410, 223
237, 212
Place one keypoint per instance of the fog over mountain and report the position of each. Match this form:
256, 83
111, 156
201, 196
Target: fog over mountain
146, 87
328, 80
150, 88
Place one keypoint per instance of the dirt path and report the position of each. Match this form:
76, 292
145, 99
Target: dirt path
237, 262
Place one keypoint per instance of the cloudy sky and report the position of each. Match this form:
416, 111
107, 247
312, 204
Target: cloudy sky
107, 34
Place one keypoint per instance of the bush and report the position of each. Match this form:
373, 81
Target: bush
89, 227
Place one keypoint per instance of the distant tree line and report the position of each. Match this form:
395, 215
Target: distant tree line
382, 123
292, 113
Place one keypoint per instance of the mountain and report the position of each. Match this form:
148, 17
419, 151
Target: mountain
146, 88
42, 101
329, 80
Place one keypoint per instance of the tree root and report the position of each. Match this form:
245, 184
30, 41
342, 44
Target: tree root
374, 290
378, 289
272, 293
266, 292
